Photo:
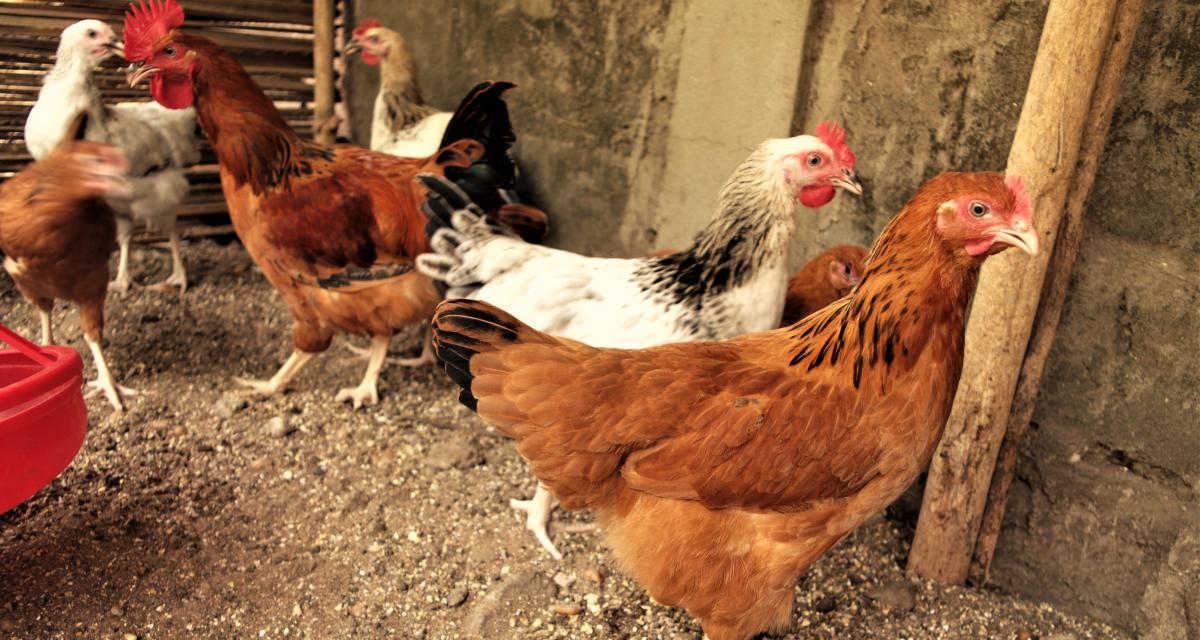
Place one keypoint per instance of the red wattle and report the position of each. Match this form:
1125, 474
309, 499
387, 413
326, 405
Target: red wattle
172, 94
816, 195
370, 58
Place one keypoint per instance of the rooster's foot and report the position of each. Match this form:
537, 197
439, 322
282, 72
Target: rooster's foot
120, 285
112, 391
364, 394
539, 508
262, 388
177, 280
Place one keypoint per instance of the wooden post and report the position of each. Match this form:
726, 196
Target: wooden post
1058, 276
323, 70
1044, 152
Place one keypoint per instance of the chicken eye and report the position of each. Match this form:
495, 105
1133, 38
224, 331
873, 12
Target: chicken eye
374, 38
979, 209
91, 33
170, 51
814, 160
846, 267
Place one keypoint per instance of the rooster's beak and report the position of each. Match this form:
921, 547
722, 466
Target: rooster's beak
136, 73
848, 181
1021, 235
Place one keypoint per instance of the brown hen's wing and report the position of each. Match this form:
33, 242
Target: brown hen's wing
725, 423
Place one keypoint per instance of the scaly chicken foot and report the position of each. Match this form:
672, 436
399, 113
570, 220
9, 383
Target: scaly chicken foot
280, 380
47, 328
425, 357
367, 391
539, 509
178, 278
104, 382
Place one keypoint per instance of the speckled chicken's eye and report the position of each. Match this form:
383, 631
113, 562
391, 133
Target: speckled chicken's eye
170, 51
814, 160
979, 209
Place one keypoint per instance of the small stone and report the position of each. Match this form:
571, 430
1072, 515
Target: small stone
825, 604
279, 427
358, 609
593, 603
457, 453
898, 596
179, 431
563, 580
456, 597
129, 636
413, 536
567, 609
116, 611
227, 405
593, 574
258, 464
296, 610
1024, 634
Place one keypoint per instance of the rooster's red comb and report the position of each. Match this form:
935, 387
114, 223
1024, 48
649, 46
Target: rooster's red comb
365, 25
835, 138
1022, 207
146, 22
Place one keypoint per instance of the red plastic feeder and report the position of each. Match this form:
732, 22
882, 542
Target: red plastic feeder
42, 415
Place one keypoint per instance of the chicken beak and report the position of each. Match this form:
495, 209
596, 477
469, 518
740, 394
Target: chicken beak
1021, 236
352, 48
848, 181
117, 48
136, 73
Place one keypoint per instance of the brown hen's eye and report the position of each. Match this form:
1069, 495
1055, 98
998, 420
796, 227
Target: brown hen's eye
979, 209
170, 51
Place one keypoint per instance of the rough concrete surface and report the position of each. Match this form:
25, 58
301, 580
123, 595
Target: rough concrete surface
1103, 520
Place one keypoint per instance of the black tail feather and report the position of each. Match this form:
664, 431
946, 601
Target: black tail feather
463, 329
483, 116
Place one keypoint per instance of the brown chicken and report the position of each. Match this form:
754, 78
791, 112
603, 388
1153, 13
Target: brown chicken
335, 229
56, 233
721, 470
825, 278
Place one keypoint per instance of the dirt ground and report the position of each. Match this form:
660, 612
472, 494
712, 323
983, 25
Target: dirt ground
193, 516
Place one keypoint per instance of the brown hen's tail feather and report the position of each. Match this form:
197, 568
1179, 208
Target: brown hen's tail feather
463, 329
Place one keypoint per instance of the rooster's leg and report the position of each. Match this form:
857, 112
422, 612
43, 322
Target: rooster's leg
294, 363
47, 327
124, 234
539, 508
367, 393
178, 277
426, 356
104, 382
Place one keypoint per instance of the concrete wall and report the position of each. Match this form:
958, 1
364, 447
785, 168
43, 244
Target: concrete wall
632, 112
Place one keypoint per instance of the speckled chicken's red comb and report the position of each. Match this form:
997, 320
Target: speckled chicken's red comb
369, 23
1022, 207
835, 138
146, 22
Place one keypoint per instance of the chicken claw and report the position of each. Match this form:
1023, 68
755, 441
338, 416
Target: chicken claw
280, 380
539, 508
365, 394
112, 391
121, 285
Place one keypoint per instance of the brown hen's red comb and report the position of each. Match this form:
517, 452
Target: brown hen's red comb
1022, 207
835, 138
369, 23
146, 23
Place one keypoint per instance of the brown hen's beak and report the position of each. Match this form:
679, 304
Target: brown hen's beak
352, 48
848, 181
136, 73
1021, 236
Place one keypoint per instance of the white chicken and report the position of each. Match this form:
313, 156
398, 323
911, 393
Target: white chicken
402, 124
160, 143
731, 280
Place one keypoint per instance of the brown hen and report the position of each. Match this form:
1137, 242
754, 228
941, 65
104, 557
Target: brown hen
825, 278
721, 470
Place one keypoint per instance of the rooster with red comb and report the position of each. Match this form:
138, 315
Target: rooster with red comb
335, 229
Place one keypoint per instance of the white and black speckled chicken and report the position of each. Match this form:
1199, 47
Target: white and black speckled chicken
160, 143
731, 280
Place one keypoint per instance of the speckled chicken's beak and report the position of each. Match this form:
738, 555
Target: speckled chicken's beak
848, 181
137, 72
1022, 236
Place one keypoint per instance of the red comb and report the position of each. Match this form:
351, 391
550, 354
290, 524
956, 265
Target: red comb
1022, 207
835, 138
146, 22
369, 23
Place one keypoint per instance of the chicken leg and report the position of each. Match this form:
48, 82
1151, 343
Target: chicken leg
280, 380
367, 392
124, 235
539, 509
425, 357
104, 381
47, 327
178, 277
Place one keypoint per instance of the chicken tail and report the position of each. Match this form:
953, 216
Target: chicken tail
464, 329
453, 221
